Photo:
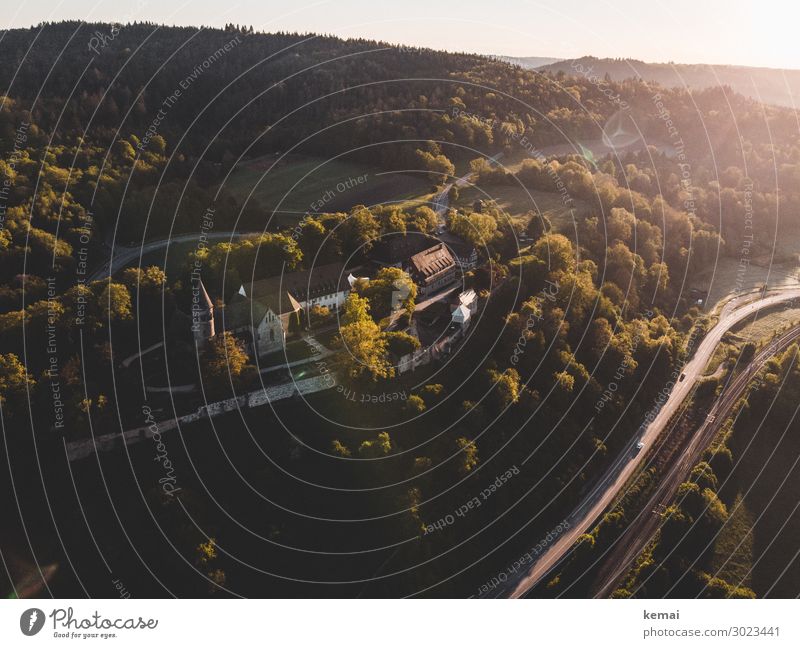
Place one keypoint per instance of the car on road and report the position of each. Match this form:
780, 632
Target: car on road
639, 446
683, 375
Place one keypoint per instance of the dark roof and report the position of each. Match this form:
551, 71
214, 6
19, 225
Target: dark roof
457, 245
307, 284
242, 311
282, 294
432, 261
397, 247
432, 323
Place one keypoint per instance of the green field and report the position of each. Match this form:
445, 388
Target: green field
517, 202
725, 279
297, 185
766, 327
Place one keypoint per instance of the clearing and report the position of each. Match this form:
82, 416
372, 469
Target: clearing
518, 201
298, 185
728, 279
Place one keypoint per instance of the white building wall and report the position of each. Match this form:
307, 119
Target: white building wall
270, 335
332, 301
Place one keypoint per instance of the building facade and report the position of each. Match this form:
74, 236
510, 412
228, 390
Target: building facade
433, 269
263, 312
465, 254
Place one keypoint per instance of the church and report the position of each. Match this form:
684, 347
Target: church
261, 312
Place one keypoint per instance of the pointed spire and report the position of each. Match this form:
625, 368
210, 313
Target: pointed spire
206, 299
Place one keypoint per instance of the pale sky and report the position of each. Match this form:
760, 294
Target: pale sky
740, 32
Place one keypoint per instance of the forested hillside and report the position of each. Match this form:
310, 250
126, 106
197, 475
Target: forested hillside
117, 135
779, 87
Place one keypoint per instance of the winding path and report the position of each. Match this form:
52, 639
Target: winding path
122, 255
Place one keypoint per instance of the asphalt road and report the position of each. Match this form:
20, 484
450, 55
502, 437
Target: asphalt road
442, 200
598, 500
122, 255
643, 527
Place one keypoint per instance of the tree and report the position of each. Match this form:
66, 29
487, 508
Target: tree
312, 236
270, 254
538, 224
205, 552
620, 225
425, 219
319, 314
467, 455
507, 386
355, 309
340, 449
453, 194
555, 250
478, 229
704, 476
206, 557
359, 230
364, 351
115, 301
380, 446
627, 270
415, 404
148, 282
148, 289
564, 380
225, 363
391, 290
485, 172
401, 343
364, 347
438, 166
715, 587
432, 392
124, 151
14, 384
422, 463
394, 222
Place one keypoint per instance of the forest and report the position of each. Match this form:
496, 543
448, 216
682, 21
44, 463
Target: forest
132, 138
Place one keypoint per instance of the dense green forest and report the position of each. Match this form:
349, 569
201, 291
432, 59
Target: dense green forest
132, 137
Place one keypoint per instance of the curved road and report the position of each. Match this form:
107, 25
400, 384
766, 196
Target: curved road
636, 536
122, 255
612, 483
442, 200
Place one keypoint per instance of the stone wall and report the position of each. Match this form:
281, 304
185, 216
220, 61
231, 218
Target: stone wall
77, 450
